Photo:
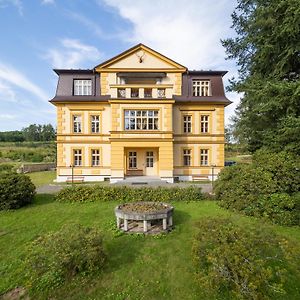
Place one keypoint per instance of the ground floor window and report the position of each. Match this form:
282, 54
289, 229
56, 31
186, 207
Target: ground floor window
77, 157
149, 159
132, 160
187, 157
204, 157
95, 157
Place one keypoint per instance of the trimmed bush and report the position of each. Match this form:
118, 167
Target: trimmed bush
238, 187
57, 257
16, 190
243, 263
284, 167
124, 194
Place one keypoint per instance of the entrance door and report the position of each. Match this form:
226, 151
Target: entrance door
150, 163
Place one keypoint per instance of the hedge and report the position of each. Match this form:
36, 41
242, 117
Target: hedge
238, 262
266, 188
124, 194
16, 190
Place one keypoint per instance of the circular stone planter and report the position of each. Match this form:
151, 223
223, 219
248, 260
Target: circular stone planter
144, 217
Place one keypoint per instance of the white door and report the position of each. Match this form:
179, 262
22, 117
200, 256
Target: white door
150, 163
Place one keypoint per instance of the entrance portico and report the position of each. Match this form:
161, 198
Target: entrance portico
141, 159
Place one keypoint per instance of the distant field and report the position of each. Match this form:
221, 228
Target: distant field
19, 152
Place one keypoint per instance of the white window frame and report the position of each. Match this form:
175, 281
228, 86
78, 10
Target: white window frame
204, 157
187, 123
132, 160
77, 123
204, 123
149, 159
141, 120
77, 156
187, 157
95, 123
201, 88
82, 87
95, 157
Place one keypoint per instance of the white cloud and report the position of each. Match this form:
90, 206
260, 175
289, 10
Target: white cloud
187, 31
46, 2
72, 54
17, 3
87, 22
12, 77
7, 116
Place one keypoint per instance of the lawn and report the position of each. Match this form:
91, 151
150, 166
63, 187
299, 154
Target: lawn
42, 178
139, 267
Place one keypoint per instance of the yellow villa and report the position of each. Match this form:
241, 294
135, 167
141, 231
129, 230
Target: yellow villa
139, 114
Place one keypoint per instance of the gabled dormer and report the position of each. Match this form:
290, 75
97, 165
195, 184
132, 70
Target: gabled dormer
140, 72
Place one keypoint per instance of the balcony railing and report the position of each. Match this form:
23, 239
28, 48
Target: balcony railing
153, 93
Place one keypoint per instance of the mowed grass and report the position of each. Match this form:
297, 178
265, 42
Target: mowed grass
42, 178
150, 267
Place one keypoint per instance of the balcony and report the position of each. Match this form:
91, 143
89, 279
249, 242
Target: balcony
126, 91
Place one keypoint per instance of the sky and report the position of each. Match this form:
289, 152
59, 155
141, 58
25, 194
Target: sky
39, 35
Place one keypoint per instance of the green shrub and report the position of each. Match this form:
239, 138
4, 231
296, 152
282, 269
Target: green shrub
126, 194
57, 257
6, 168
243, 263
238, 187
16, 190
281, 208
284, 167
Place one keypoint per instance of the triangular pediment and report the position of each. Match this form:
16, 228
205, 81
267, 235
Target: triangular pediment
140, 57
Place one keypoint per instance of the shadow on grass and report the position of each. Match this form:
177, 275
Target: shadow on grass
124, 250
42, 199
180, 217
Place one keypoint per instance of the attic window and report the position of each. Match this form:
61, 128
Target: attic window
201, 88
82, 87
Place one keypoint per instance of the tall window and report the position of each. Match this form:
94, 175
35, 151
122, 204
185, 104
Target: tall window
141, 120
149, 159
201, 88
95, 124
77, 125
187, 157
95, 157
204, 157
132, 160
77, 157
204, 124
82, 87
187, 124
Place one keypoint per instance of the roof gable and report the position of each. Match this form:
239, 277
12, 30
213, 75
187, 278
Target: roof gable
140, 57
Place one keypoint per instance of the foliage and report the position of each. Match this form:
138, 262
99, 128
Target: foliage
266, 49
239, 187
29, 151
127, 194
16, 190
56, 257
265, 188
6, 168
31, 133
243, 262
284, 167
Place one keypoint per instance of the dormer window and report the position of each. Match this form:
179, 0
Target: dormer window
201, 88
82, 87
